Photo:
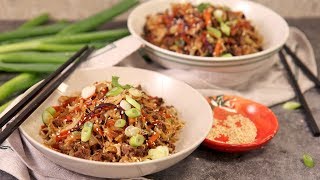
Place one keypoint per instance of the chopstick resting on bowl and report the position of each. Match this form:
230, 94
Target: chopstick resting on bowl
309, 117
34, 99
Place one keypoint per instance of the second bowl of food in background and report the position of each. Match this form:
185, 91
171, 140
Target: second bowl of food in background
223, 37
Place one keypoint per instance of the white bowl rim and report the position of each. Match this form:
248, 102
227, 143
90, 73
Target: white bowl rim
183, 151
213, 59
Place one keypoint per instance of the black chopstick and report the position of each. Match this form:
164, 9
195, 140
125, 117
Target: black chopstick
309, 117
303, 67
9, 115
43, 95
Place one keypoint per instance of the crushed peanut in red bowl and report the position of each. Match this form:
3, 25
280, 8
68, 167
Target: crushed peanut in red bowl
239, 124
236, 129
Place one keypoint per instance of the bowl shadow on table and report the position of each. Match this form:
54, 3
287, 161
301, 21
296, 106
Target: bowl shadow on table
204, 154
208, 154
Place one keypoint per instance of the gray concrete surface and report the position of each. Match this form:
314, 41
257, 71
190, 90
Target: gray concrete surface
77, 9
280, 159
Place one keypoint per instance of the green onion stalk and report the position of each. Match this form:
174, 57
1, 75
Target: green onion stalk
39, 20
44, 43
94, 21
16, 84
35, 31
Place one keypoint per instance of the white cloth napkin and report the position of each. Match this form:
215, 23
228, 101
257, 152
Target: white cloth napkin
18, 155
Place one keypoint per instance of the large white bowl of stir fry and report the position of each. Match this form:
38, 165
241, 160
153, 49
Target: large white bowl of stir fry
119, 122
215, 35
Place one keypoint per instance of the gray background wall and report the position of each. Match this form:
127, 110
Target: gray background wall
76, 9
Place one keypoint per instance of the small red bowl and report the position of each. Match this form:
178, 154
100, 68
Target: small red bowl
263, 118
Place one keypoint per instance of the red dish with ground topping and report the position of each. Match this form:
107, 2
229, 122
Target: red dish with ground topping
203, 30
239, 124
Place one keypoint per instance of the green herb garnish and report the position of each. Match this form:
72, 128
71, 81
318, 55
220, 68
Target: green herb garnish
201, 7
308, 161
115, 83
291, 105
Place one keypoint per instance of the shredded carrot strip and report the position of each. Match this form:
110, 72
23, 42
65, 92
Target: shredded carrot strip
152, 139
217, 49
207, 17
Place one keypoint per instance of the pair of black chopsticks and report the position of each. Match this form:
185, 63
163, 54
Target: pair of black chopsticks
309, 117
34, 99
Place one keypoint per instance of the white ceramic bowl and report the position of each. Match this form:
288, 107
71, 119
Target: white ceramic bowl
270, 25
191, 105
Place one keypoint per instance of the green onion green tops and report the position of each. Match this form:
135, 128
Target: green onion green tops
114, 91
86, 131
135, 92
136, 140
46, 117
30, 32
291, 105
308, 161
225, 29
51, 110
16, 84
202, 6
214, 32
115, 83
132, 113
4, 106
39, 20
94, 21
120, 123
227, 55
133, 102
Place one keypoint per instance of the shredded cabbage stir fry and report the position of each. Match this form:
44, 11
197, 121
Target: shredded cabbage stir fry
203, 30
111, 122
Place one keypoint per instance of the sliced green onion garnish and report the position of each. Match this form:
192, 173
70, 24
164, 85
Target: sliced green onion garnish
201, 7
291, 105
120, 123
158, 152
218, 14
136, 140
115, 83
227, 55
214, 32
46, 117
131, 131
132, 113
114, 91
127, 86
225, 29
135, 92
51, 110
133, 102
125, 105
86, 131
308, 161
